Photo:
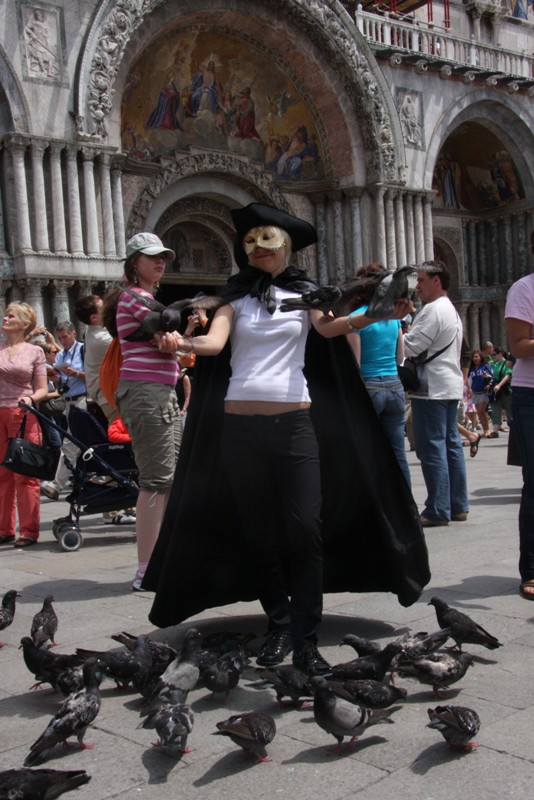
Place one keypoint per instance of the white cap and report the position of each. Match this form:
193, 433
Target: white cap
150, 244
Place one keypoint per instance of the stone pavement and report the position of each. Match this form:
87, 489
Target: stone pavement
474, 567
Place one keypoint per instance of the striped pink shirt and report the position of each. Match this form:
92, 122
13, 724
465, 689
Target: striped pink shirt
142, 361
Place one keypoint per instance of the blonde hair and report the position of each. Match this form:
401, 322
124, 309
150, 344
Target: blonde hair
24, 313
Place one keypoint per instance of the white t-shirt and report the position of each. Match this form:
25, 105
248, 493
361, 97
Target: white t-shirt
520, 305
97, 340
268, 352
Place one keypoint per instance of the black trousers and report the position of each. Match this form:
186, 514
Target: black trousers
273, 466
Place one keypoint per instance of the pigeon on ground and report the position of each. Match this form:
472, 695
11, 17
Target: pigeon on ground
463, 629
46, 666
251, 731
39, 784
288, 681
69, 680
362, 646
341, 717
74, 716
368, 693
7, 612
421, 643
44, 624
125, 666
182, 673
169, 318
162, 653
373, 666
457, 724
439, 670
224, 674
173, 724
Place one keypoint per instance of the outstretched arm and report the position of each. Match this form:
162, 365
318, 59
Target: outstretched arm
329, 326
209, 344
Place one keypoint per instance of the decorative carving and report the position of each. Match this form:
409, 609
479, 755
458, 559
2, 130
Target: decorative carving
41, 48
410, 107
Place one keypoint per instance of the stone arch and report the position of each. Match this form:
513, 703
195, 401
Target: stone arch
11, 90
126, 25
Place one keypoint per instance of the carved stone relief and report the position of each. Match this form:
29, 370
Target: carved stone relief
410, 107
42, 35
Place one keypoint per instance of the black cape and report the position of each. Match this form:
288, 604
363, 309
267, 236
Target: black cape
372, 536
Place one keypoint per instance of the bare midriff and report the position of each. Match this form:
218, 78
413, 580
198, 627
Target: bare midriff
249, 408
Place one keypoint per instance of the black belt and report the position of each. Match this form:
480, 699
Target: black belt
75, 397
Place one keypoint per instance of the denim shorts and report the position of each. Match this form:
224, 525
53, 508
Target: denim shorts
150, 412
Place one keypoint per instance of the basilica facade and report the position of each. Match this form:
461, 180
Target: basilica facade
402, 134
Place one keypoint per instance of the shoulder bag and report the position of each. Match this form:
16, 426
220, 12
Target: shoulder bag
29, 458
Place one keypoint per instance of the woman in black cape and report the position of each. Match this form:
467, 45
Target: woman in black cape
286, 485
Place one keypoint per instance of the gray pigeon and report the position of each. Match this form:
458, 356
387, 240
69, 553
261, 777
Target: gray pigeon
125, 666
364, 647
46, 666
173, 724
439, 670
73, 717
223, 675
463, 629
251, 731
44, 624
457, 724
341, 717
421, 643
7, 612
392, 287
39, 784
182, 674
372, 666
288, 681
169, 318
368, 693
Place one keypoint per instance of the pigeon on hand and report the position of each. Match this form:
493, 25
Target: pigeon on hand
341, 717
45, 666
73, 717
251, 731
173, 724
286, 680
7, 612
39, 784
126, 666
392, 287
457, 724
372, 666
168, 318
44, 624
439, 670
367, 693
463, 629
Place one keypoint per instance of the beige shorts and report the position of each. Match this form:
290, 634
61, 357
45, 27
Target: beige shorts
150, 412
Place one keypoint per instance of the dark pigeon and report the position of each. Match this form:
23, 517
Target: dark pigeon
173, 724
373, 666
439, 670
340, 717
421, 643
368, 693
463, 629
45, 665
362, 646
224, 674
45, 623
287, 681
7, 612
457, 724
39, 784
251, 731
182, 674
125, 666
74, 716
169, 318
392, 287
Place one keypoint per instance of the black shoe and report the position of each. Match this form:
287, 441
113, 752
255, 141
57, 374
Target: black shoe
275, 648
308, 659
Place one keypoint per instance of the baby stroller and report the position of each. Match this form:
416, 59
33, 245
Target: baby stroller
104, 477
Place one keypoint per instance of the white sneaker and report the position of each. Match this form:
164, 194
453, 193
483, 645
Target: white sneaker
123, 519
136, 585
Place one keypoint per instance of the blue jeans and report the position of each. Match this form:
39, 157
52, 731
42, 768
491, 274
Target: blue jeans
387, 396
523, 416
439, 449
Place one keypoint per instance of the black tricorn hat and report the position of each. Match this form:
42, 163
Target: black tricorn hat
256, 214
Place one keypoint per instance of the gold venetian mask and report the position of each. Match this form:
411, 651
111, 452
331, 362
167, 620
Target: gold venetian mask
266, 236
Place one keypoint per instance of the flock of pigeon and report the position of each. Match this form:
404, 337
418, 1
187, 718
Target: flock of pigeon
352, 697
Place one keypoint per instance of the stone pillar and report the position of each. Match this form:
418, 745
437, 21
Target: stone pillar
474, 331
339, 240
400, 230
91, 217
356, 221
391, 245
3, 243
485, 323
117, 163
110, 248
461, 308
472, 244
75, 214
500, 334
494, 252
33, 295
60, 302
40, 221
465, 249
58, 201
419, 230
18, 149
522, 244
481, 254
322, 246
508, 249
381, 251
427, 227
410, 230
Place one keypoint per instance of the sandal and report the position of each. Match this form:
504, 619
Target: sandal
7, 538
24, 541
523, 593
473, 447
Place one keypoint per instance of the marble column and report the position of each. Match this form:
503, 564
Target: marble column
33, 295
472, 245
91, 217
522, 244
462, 309
400, 230
58, 200
356, 223
474, 329
110, 248
419, 230
481, 254
410, 230
24, 244
501, 338
508, 249
427, 227
117, 163
3, 243
322, 244
60, 302
485, 324
380, 226
75, 213
40, 217
391, 245
339, 240
494, 252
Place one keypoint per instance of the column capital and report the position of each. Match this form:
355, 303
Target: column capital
38, 146
89, 153
60, 285
16, 143
118, 161
32, 286
56, 148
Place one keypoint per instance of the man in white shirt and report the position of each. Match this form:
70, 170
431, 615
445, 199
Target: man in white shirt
436, 338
